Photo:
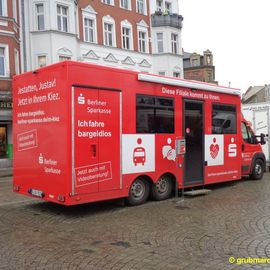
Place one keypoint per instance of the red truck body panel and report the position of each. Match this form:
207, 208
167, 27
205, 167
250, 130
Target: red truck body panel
76, 137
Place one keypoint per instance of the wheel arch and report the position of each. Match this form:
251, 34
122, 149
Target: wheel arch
170, 174
145, 177
151, 181
256, 156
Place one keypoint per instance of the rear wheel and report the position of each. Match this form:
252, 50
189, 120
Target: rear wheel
258, 170
139, 192
162, 190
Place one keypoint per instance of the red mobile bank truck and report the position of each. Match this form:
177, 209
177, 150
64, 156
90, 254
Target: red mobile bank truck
85, 133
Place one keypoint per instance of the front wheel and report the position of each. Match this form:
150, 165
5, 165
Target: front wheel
139, 192
258, 170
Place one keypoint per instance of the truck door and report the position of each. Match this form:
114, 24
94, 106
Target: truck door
249, 147
194, 134
96, 129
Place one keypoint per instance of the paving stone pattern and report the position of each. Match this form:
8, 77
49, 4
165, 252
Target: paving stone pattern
195, 234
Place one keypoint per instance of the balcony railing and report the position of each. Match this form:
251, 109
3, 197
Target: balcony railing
172, 20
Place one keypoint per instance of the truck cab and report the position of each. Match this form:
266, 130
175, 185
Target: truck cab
253, 158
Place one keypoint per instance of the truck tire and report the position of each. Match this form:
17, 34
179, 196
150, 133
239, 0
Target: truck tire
139, 192
162, 190
257, 170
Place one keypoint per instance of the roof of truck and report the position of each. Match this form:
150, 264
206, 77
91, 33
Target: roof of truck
195, 85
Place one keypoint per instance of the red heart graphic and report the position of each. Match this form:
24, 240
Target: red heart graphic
214, 149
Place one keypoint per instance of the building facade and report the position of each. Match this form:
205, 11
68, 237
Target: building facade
9, 66
166, 38
117, 33
109, 32
256, 94
199, 67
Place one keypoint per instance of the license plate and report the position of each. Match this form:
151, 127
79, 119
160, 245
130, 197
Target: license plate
36, 193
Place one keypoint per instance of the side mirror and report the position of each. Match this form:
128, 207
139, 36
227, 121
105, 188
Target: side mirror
262, 139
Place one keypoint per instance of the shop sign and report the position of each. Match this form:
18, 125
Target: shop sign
6, 105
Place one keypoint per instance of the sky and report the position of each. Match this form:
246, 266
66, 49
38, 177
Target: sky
238, 34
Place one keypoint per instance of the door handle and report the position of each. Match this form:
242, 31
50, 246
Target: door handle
93, 150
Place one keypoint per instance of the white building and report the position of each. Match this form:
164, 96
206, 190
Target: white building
166, 38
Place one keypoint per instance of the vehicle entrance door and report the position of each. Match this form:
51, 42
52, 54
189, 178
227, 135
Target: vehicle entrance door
194, 135
96, 125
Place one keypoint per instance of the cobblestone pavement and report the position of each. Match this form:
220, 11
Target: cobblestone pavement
233, 221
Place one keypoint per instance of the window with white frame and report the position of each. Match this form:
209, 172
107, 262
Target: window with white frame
64, 58
108, 2
42, 60
127, 35
125, 4
64, 54
126, 38
89, 24
89, 30
62, 18
4, 61
3, 7
168, 7
40, 18
17, 61
108, 31
141, 7
143, 37
108, 34
162, 73
176, 74
160, 47
14, 3
159, 5
142, 41
174, 40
